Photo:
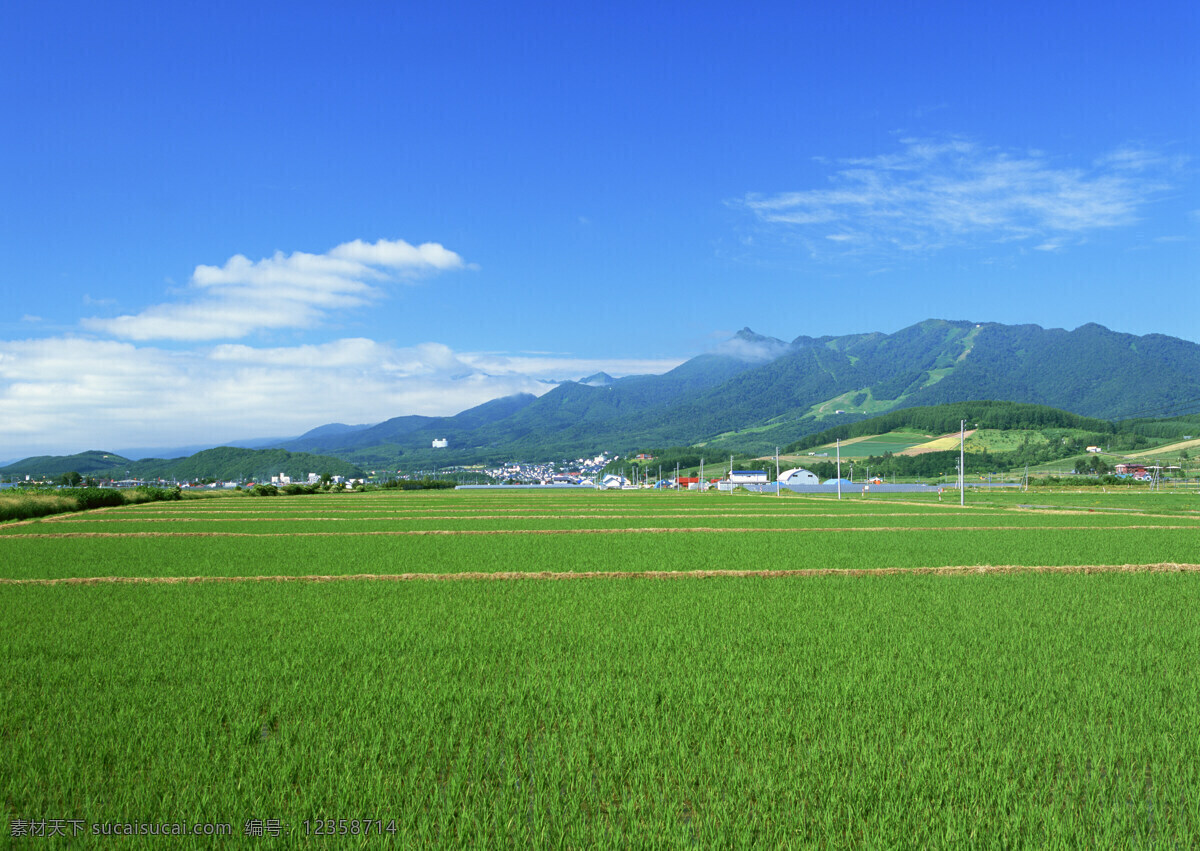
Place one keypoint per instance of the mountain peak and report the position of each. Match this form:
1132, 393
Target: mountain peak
746, 345
600, 379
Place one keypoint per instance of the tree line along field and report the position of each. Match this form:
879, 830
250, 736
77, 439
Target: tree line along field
972, 707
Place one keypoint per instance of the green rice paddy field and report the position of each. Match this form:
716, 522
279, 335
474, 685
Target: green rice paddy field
617, 669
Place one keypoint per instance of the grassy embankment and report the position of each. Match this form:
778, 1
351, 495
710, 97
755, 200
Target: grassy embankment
20, 504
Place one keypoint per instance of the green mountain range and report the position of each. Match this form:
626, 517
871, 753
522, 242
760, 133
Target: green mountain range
765, 392
753, 394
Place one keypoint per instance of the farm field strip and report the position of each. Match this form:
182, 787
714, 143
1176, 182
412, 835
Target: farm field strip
23, 556
881, 511
635, 505
246, 517
484, 525
784, 507
545, 512
891, 711
573, 530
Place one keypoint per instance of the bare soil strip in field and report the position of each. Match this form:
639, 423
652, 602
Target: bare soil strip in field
1160, 567
1183, 513
786, 509
638, 530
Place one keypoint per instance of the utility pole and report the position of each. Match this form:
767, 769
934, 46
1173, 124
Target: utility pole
962, 470
839, 467
778, 492
731, 475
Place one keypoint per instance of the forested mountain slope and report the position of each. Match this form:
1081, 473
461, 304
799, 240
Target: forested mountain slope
772, 393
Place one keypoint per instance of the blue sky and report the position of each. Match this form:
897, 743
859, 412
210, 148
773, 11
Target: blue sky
227, 221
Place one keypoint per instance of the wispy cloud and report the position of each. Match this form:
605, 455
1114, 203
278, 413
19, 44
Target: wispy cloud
283, 291
558, 367
751, 350
67, 394
932, 195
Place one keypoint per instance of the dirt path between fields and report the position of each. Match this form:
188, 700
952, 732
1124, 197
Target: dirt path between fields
648, 530
1161, 567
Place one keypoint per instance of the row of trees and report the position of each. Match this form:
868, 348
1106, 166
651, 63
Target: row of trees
1092, 465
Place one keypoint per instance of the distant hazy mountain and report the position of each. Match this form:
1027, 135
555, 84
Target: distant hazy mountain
383, 443
756, 392
184, 451
326, 431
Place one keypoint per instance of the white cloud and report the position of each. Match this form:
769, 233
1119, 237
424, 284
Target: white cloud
559, 367
751, 350
67, 394
283, 291
932, 195
29, 317
399, 255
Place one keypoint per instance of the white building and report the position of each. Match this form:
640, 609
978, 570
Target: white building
748, 477
798, 476
440, 443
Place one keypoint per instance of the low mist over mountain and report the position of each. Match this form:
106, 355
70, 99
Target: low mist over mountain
755, 392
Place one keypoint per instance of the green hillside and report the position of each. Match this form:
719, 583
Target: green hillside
1002, 436
90, 463
942, 419
223, 463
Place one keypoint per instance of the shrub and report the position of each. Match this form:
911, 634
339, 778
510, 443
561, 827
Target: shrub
89, 498
418, 484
